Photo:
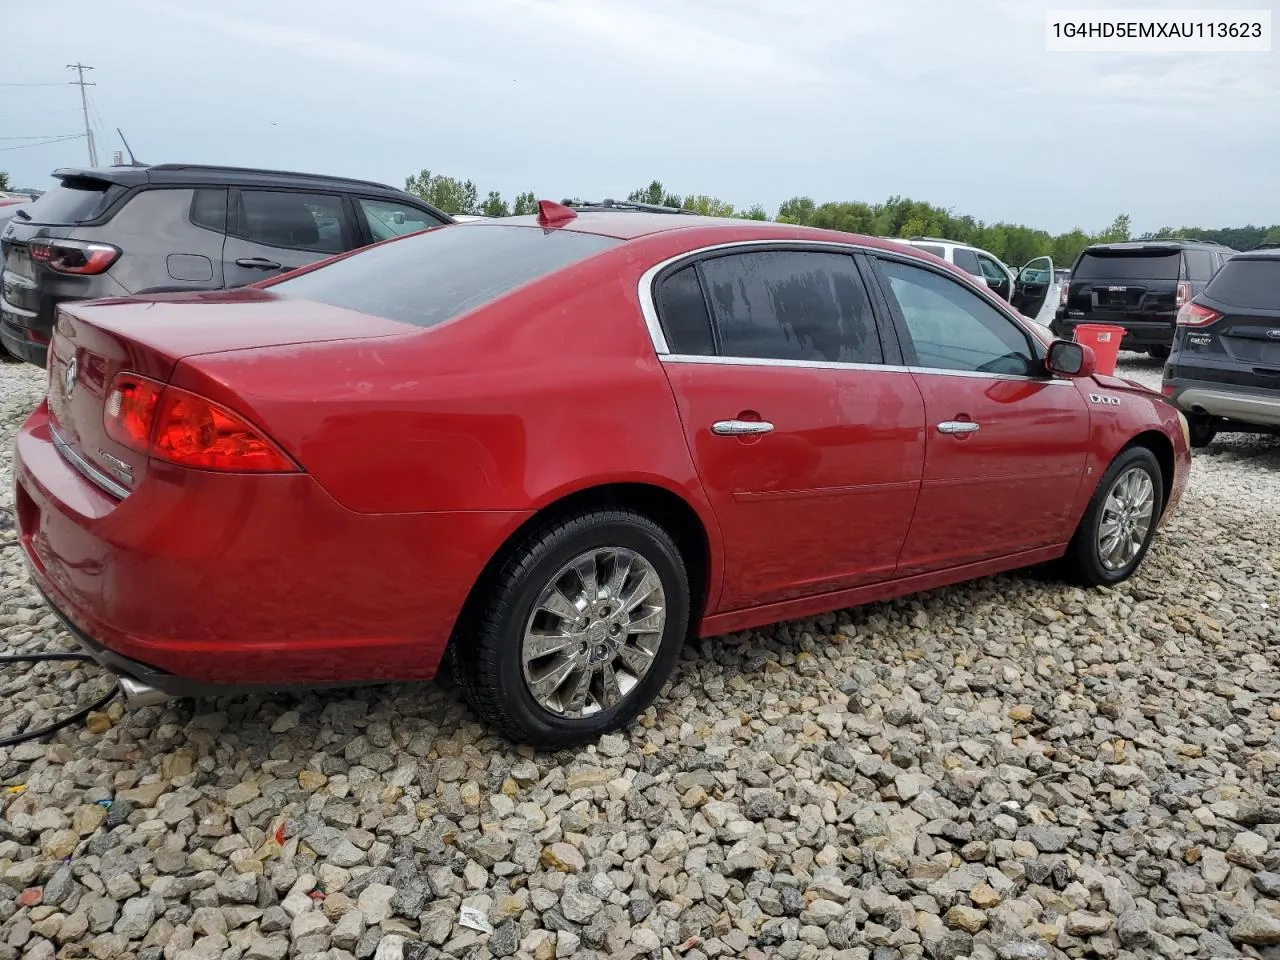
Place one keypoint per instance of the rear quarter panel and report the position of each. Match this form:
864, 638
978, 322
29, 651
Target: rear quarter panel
553, 389
1114, 426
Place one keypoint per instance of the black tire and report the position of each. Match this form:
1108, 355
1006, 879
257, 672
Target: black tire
1083, 561
1160, 353
1202, 431
486, 655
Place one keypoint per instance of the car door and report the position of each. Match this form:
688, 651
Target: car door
1033, 288
1006, 443
805, 429
273, 231
381, 219
997, 276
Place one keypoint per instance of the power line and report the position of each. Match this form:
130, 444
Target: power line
46, 136
23, 146
80, 68
60, 83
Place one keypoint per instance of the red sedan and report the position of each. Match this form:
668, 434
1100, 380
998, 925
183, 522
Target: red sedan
554, 447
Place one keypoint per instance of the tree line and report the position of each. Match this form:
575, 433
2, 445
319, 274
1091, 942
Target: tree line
896, 217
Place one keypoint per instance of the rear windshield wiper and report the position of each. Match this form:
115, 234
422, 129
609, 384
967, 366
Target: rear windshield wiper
23, 214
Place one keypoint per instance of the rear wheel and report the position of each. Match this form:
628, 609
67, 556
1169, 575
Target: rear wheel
582, 627
1160, 353
1117, 528
1202, 431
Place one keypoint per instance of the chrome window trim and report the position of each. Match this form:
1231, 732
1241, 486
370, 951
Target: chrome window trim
649, 309
85, 468
863, 367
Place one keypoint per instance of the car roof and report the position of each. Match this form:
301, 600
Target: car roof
633, 225
1157, 243
191, 173
1262, 253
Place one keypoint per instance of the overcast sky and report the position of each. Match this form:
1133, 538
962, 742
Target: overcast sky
957, 103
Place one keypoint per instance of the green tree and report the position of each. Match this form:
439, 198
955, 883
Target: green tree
756, 212
526, 203
797, 210
4, 180
655, 194
1117, 232
708, 206
494, 205
450, 195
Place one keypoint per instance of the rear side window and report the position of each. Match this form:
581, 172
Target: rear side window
1199, 264
296, 221
1122, 265
1253, 284
75, 200
967, 261
682, 310
209, 208
791, 305
938, 252
431, 277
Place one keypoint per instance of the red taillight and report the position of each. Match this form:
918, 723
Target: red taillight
1166, 389
180, 427
73, 256
1183, 294
1196, 315
1062, 294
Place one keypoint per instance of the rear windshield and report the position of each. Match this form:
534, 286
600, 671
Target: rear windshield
1116, 265
431, 277
1247, 283
74, 201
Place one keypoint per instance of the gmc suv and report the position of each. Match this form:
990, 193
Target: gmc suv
1224, 371
176, 227
1139, 285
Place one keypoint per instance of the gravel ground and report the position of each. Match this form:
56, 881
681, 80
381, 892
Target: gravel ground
1007, 769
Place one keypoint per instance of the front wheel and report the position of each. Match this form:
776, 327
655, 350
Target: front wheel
581, 629
1117, 528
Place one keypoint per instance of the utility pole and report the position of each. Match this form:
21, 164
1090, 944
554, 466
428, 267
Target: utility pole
80, 68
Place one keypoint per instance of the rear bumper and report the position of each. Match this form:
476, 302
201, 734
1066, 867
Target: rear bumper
199, 583
1138, 334
1249, 405
17, 340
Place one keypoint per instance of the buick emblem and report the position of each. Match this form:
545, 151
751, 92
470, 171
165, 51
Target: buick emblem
1274, 334
69, 379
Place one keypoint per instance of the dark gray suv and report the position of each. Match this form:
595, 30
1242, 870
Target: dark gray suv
123, 231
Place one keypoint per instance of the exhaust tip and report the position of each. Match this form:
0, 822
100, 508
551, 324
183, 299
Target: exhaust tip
138, 694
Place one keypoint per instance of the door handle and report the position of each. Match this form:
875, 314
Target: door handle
957, 426
740, 428
257, 263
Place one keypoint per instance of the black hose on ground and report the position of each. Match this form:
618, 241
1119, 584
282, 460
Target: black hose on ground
28, 735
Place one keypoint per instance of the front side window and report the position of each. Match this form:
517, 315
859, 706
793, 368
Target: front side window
296, 221
387, 219
954, 329
791, 305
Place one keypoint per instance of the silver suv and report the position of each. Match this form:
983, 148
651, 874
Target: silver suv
123, 231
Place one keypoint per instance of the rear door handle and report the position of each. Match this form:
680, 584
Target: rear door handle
740, 428
957, 426
257, 263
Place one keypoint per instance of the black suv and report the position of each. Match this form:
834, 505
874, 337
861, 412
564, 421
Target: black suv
175, 227
1138, 285
1224, 371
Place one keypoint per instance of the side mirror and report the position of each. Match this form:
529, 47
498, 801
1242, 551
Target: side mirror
1067, 358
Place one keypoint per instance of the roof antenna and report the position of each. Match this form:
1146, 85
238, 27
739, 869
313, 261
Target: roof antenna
128, 149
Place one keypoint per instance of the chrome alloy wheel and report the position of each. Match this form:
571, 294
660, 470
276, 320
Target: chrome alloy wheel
1127, 514
594, 632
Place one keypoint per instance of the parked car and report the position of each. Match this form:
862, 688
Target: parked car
1224, 371
1031, 290
554, 446
1139, 285
118, 231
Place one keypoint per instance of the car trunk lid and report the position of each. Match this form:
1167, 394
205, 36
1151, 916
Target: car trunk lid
95, 341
